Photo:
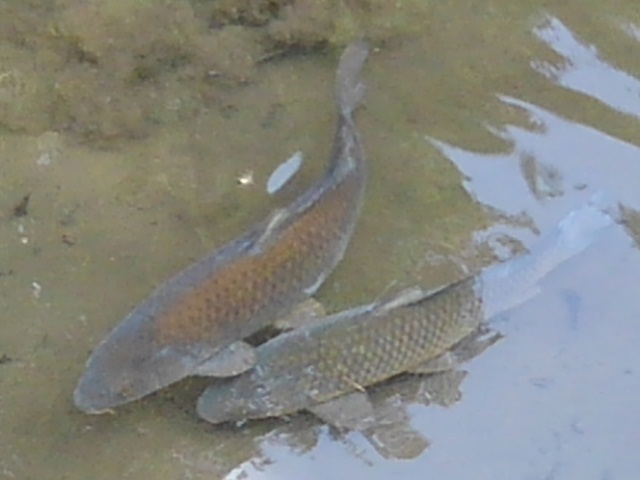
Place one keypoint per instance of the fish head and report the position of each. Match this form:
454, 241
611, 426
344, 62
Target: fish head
254, 394
130, 364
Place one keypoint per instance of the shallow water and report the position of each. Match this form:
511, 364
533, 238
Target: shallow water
482, 130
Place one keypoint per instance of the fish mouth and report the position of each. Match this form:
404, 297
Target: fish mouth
115, 376
93, 404
91, 401
94, 396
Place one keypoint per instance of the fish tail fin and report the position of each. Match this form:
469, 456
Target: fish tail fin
349, 88
581, 227
513, 282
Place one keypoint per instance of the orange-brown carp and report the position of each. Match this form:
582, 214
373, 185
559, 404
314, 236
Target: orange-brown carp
192, 323
325, 367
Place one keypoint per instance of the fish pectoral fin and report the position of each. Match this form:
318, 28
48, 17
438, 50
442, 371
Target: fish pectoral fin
352, 411
233, 360
441, 363
469, 347
442, 385
475, 343
442, 388
308, 312
270, 230
391, 434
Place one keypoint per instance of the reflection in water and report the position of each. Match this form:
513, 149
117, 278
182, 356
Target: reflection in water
569, 155
544, 181
584, 71
580, 370
391, 434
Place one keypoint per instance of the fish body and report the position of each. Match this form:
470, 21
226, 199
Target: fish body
349, 351
245, 285
346, 353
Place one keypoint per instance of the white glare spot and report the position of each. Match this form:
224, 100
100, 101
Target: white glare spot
284, 173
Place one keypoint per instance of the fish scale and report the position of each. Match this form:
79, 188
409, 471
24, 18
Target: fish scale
367, 352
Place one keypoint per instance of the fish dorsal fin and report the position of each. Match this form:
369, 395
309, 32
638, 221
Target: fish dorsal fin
352, 411
475, 343
233, 360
